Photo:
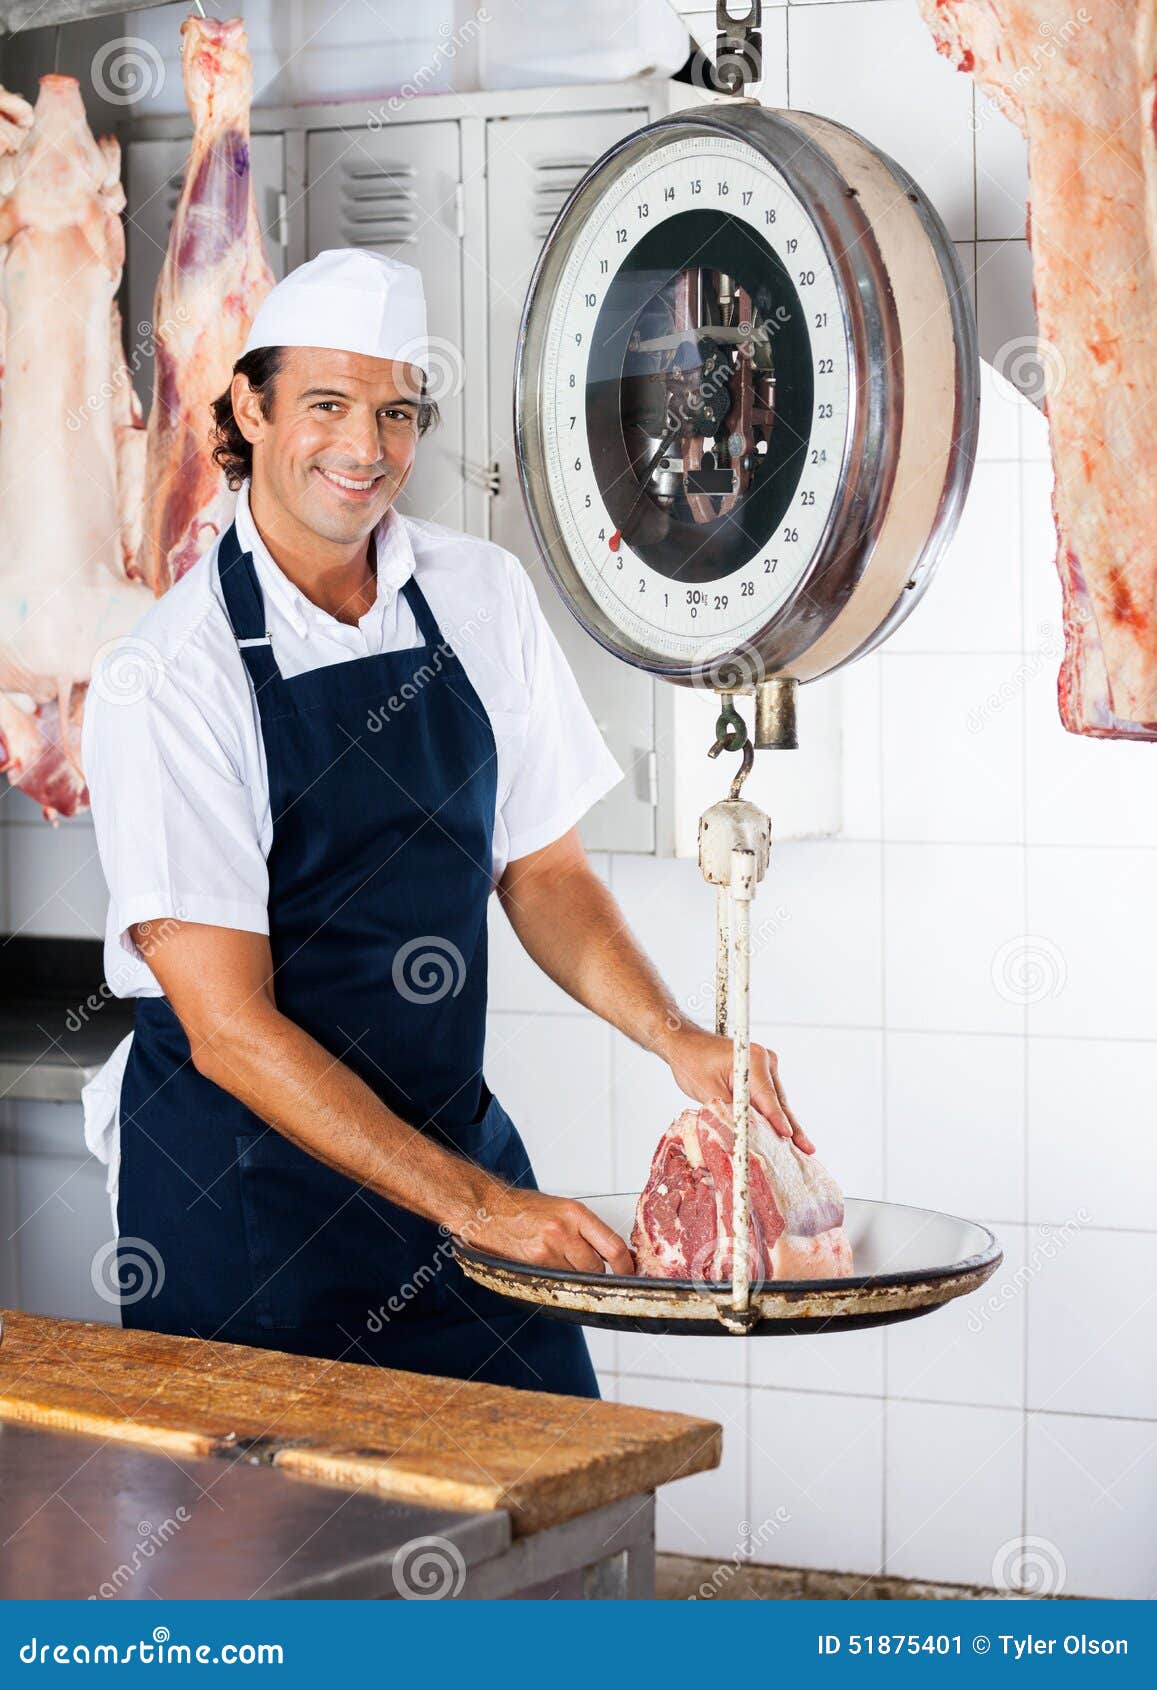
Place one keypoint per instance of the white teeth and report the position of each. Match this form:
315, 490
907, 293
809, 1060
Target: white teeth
344, 481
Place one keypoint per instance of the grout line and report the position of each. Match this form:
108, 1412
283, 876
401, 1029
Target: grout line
1026, 1306
884, 1056
625, 1378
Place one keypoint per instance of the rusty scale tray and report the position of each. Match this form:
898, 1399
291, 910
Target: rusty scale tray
908, 1262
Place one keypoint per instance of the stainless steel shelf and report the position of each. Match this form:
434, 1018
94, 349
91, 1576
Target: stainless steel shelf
16, 15
58, 1022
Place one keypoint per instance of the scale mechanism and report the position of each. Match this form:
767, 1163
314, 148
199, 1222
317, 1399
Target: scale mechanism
746, 412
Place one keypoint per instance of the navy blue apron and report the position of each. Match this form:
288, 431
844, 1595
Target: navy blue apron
382, 781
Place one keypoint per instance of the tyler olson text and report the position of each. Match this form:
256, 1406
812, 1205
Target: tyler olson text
1077, 1644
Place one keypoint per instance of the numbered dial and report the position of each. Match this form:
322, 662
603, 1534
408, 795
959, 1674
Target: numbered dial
745, 395
695, 397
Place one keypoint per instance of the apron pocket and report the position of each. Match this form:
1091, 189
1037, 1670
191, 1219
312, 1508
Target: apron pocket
326, 1253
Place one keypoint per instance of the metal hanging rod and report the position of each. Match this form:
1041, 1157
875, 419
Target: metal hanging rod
18, 15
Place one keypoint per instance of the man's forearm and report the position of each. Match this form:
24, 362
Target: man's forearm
576, 932
274, 1067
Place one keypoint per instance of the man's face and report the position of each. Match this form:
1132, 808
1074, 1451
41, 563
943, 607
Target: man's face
338, 445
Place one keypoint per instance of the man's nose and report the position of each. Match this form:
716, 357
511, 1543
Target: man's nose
362, 441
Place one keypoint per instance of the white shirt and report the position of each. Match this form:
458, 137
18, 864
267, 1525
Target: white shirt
175, 761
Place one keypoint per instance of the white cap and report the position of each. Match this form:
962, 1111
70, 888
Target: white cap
350, 300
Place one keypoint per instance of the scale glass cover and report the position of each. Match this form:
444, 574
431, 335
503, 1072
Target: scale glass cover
746, 396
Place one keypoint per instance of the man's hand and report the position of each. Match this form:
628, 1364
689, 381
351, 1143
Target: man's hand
701, 1063
554, 1232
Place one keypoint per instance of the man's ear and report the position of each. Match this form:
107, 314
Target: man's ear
247, 408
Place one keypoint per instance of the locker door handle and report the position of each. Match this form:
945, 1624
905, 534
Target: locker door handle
485, 476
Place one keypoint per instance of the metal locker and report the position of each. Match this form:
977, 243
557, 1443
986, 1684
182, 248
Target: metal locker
398, 191
532, 163
153, 176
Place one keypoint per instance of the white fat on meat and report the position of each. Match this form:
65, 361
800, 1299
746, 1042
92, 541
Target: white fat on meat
1080, 86
683, 1220
214, 277
70, 427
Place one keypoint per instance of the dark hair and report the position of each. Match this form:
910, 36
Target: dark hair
232, 452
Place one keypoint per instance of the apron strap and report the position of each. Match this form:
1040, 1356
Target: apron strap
246, 609
423, 615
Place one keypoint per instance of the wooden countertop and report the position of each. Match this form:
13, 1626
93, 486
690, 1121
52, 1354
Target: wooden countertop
411, 1436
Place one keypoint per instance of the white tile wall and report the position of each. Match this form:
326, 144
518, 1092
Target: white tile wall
822, 1459
954, 1490
960, 989
1092, 1496
955, 1123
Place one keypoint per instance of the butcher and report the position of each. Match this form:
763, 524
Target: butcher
310, 766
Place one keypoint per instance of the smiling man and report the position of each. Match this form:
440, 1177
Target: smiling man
351, 728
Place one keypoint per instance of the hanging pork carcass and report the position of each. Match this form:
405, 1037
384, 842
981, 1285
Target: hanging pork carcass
71, 440
1080, 85
214, 277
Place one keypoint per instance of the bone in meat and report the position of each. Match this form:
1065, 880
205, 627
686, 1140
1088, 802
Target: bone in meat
1081, 88
64, 593
214, 277
683, 1221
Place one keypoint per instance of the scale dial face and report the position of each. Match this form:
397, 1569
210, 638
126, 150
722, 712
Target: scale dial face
695, 390
745, 396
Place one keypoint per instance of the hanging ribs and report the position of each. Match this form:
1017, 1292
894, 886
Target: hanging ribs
214, 277
71, 441
683, 1222
1080, 85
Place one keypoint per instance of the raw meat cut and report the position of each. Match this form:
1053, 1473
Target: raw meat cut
39, 758
1081, 87
213, 279
71, 429
683, 1224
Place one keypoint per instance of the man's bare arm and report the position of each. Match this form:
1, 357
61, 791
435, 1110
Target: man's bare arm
569, 922
220, 983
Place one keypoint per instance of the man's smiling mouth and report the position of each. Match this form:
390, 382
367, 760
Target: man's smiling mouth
349, 483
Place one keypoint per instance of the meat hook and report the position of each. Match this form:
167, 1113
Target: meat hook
731, 735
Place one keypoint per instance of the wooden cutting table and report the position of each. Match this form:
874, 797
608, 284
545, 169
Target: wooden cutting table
184, 1461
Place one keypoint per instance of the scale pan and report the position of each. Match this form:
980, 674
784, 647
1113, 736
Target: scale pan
908, 1261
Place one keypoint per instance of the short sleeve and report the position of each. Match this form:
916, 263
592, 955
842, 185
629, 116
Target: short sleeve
174, 820
564, 764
